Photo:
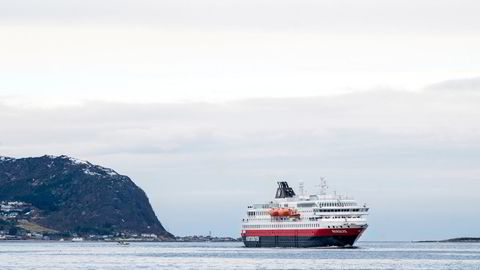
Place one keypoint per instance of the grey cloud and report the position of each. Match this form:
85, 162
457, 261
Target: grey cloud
468, 84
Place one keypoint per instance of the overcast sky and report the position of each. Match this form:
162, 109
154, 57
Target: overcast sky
206, 104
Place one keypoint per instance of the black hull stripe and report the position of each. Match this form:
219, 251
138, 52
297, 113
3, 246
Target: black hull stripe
300, 241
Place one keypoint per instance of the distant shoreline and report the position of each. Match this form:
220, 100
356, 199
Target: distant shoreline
453, 240
177, 239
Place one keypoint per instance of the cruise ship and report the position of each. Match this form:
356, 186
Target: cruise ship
316, 220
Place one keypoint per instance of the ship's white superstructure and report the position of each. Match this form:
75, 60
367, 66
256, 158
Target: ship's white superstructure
304, 220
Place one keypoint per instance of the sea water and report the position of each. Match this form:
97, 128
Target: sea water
368, 255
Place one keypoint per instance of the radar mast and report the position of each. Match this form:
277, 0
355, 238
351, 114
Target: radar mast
322, 186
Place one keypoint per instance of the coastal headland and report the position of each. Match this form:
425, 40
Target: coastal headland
59, 197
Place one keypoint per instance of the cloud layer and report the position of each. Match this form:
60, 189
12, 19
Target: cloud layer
331, 16
412, 156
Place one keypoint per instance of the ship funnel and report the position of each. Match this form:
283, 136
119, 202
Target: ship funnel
284, 191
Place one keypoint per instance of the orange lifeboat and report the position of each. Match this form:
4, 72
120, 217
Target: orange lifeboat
274, 212
283, 212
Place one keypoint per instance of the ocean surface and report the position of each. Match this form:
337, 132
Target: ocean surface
369, 255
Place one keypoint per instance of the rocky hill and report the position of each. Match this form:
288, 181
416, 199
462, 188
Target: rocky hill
76, 196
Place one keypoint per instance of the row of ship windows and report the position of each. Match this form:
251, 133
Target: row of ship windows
337, 204
311, 219
327, 217
256, 213
341, 210
323, 204
262, 213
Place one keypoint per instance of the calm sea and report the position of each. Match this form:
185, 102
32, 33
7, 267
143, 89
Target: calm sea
368, 255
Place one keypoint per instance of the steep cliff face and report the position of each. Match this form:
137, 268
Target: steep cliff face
77, 196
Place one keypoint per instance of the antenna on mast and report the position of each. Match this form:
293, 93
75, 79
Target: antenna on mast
323, 186
301, 188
